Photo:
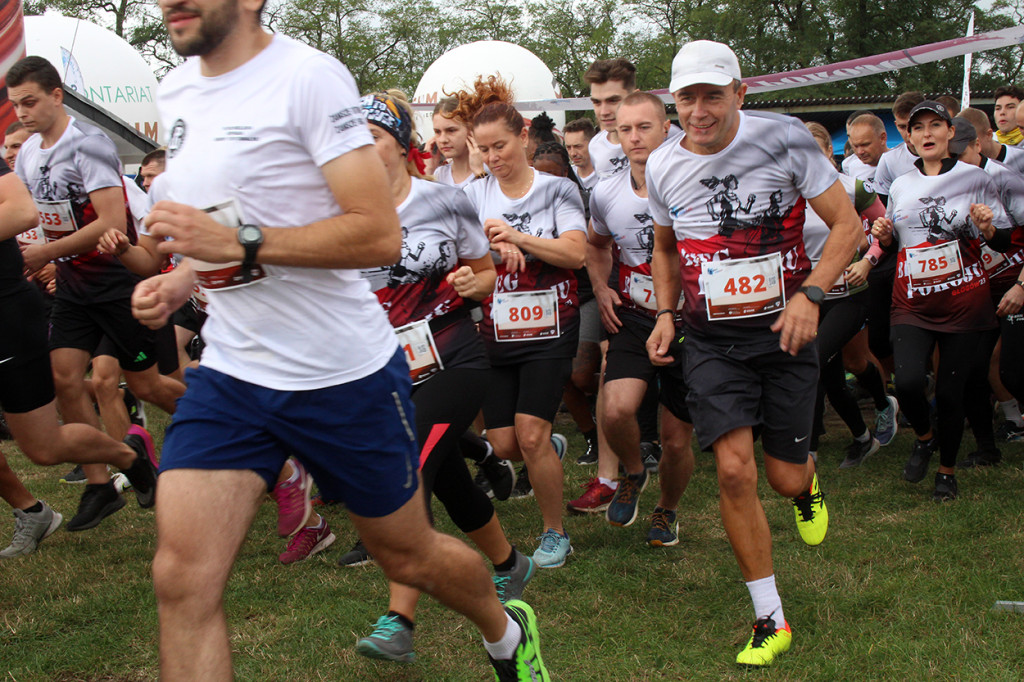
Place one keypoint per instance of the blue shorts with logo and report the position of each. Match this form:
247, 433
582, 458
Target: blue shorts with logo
358, 439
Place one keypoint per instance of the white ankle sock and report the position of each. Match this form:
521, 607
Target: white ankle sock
766, 600
505, 648
864, 437
1011, 412
609, 482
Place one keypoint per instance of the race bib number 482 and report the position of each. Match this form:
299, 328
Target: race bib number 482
525, 315
745, 287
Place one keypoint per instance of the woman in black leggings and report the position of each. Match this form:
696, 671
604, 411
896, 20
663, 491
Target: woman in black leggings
938, 217
842, 315
445, 263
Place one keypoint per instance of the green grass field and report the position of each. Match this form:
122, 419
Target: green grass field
902, 589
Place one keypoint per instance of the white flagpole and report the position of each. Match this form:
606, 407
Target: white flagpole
966, 97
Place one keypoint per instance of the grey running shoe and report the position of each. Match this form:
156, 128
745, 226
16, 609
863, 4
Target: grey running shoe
357, 556
917, 465
857, 452
664, 528
887, 422
622, 509
390, 640
30, 530
98, 501
76, 475
561, 445
510, 584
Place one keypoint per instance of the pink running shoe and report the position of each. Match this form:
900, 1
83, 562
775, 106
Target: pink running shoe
293, 505
307, 542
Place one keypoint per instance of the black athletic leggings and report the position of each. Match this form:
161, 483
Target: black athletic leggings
1011, 358
960, 379
841, 319
446, 405
879, 303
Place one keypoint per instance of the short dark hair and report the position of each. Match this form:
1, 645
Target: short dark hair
857, 114
618, 69
1009, 90
581, 125
906, 102
158, 155
951, 103
34, 70
14, 127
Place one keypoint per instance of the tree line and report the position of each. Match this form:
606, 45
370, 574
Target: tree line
390, 43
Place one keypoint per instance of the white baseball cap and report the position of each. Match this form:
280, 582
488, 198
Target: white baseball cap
704, 61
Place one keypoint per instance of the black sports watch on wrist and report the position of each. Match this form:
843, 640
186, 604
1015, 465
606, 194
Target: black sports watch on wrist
814, 294
250, 237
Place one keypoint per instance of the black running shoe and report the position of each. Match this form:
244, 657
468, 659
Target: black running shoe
650, 453
917, 465
99, 501
1009, 432
590, 456
135, 407
522, 488
142, 472
500, 475
945, 488
357, 556
981, 458
480, 480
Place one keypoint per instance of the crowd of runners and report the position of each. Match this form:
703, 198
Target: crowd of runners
372, 314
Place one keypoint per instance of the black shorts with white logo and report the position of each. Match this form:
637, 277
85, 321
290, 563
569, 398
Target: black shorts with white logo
26, 380
83, 326
627, 359
752, 384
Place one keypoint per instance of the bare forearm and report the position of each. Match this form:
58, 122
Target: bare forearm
599, 265
666, 277
351, 240
81, 241
563, 252
16, 218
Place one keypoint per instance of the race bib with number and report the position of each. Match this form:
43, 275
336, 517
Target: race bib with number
30, 237
993, 261
641, 291
417, 343
840, 289
929, 266
525, 315
225, 275
746, 287
55, 219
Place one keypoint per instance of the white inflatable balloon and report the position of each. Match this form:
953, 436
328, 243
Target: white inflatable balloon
456, 69
98, 65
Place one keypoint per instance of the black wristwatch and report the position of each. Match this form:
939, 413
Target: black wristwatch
1020, 283
814, 294
250, 237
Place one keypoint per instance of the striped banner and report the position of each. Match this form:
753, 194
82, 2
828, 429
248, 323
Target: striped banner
830, 73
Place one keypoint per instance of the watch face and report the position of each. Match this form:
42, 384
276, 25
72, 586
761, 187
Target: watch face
250, 234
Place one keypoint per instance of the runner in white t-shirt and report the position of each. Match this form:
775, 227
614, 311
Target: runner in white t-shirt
610, 81
578, 134
728, 207
900, 159
867, 137
620, 216
531, 323
454, 141
265, 131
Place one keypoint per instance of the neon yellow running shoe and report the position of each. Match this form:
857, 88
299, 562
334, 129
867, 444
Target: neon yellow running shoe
526, 665
765, 644
811, 514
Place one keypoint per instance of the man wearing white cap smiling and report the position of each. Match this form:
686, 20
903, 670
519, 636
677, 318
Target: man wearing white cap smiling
728, 204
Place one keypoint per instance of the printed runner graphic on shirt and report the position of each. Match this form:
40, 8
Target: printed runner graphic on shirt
934, 215
725, 206
645, 235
